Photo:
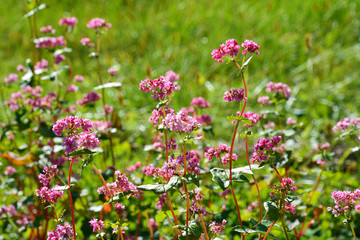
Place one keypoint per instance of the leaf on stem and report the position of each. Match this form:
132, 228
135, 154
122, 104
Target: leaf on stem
108, 85
33, 11
161, 188
221, 177
272, 210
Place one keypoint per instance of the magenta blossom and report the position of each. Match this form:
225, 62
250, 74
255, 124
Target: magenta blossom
200, 102
280, 88
235, 95
69, 22
160, 87
250, 47
11, 78
96, 225
47, 29
97, 23
89, 98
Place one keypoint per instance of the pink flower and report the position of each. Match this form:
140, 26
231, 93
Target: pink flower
11, 78
86, 42
78, 78
96, 225
59, 58
160, 87
171, 76
250, 47
47, 29
235, 95
43, 64
71, 88
50, 42
9, 170
20, 68
200, 102
62, 232
269, 125
69, 22
217, 227
280, 88
89, 98
263, 100
290, 121
96, 23
112, 72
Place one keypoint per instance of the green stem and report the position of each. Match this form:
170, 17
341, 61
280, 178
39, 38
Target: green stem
283, 225
352, 230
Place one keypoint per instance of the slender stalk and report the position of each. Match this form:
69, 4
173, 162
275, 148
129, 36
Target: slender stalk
236, 204
352, 230
270, 227
283, 225
71, 201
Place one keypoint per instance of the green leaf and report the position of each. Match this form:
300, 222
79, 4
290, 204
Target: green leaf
33, 11
244, 66
119, 196
61, 188
195, 228
192, 178
161, 188
46, 131
271, 210
240, 118
162, 103
82, 152
61, 51
108, 85
220, 178
86, 162
162, 215
259, 228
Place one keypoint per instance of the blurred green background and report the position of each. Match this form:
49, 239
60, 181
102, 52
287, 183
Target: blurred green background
312, 46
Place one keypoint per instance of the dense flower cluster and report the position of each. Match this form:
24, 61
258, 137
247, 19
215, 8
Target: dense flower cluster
160, 87
287, 183
253, 117
63, 232
7, 211
47, 29
345, 201
120, 209
31, 97
13, 77
50, 42
180, 122
97, 23
157, 114
250, 47
263, 148
232, 48
87, 42
89, 98
49, 173
280, 88
59, 59
211, 153
68, 22
97, 225
235, 95
200, 102
217, 227
9, 170
290, 121
77, 133
263, 100
345, 123
50, 195
121, 184
289, 207
171, 76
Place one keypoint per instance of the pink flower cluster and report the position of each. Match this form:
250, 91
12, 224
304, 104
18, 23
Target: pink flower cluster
89, 98
77, 133
180, 122
69, 22
250, 47
59, 58
211, 153
263, 148
112, 72
101, 126
87, 42
50, 173
97, 23
133, 168
121, 184
263, 100
10, 170
41, 65
280, 88
200, 102
251, 206
289, 207
345, 123
235, 95
62, 232
287, 184
322, 146
171, 76
13, 77
290, 121
96, 225
160, 87
162, 201
120, 209
157, 114
50, 195
31, 97
47, 29
345, 201
50, 42
7, 211
217, 227
253, 117
232, 48
78, 78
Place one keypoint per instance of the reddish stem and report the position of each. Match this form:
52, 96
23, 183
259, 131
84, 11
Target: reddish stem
71, 201
268, 231
236, 203
253, 175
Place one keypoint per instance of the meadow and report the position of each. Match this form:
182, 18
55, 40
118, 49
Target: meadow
164, 168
